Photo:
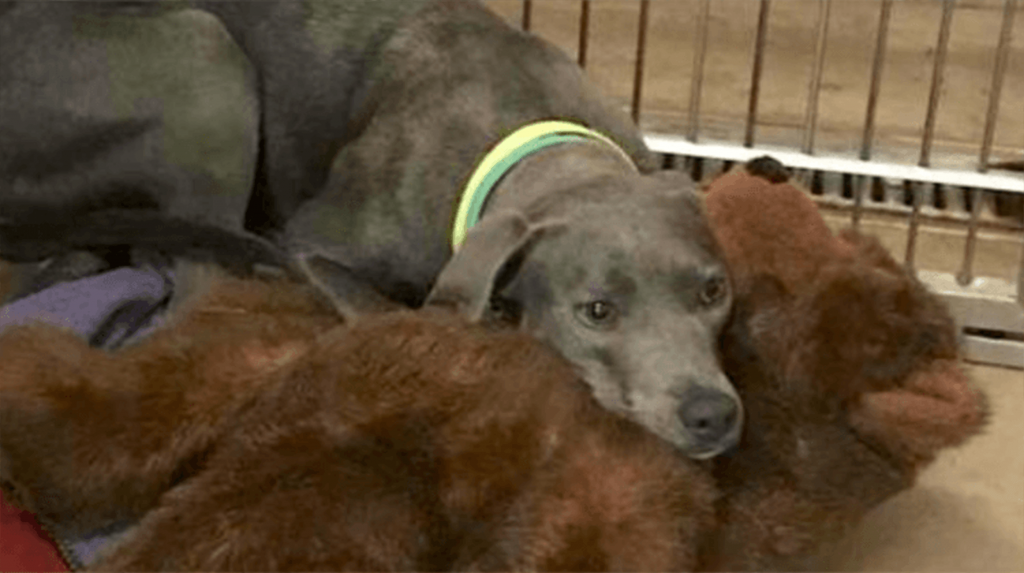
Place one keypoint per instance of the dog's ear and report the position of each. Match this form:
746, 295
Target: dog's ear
351, 296
480, 266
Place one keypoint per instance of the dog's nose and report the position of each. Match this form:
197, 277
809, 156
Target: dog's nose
709, 415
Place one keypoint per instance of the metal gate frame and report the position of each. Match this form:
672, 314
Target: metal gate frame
990, 311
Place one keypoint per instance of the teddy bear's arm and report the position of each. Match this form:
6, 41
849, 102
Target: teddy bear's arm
934, 409
80, 441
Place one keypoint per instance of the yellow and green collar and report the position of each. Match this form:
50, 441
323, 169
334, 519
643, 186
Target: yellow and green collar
524, 141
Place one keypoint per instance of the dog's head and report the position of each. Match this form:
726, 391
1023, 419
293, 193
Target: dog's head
630, 287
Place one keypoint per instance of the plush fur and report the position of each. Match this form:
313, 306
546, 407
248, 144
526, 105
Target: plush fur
257, 433
768, 228
103, 435
848, 370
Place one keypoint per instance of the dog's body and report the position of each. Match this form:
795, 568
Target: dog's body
373, 115
569, 228
258, 433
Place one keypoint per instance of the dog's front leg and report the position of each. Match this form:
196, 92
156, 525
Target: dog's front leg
84, 439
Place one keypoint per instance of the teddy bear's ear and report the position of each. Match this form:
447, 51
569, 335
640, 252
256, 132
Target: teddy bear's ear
768, 168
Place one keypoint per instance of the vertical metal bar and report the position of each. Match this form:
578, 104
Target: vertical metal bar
912, 225
999, 70
876, 79
527, 14
966, 274
814, 89
941, 45
641, 48
859, 183
755, 77
581, 52
700, 49
1020, 277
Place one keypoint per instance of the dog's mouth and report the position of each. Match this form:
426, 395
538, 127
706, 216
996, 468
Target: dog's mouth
706, 452
694, 448
701, 455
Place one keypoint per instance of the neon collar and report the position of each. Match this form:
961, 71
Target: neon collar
524, 141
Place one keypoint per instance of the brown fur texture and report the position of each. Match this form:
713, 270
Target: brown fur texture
257, 433
848, 370
119, 429
769, 229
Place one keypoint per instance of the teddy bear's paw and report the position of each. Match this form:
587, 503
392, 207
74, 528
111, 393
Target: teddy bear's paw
936, 408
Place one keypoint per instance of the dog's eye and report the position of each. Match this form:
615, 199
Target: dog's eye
599, 313
713, 291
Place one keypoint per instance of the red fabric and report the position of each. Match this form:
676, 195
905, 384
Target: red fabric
24, 546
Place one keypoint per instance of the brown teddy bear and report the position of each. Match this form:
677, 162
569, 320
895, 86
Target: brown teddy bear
259, 433
847, 366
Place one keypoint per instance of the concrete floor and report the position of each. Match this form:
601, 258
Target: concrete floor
967, 513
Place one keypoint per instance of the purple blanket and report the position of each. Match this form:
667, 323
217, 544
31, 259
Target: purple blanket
107, 309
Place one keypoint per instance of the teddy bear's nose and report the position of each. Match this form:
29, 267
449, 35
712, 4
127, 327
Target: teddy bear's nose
709, 415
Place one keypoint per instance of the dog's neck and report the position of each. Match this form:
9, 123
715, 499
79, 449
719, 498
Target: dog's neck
570, 165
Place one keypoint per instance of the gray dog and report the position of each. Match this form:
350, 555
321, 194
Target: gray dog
374, 117
615, 268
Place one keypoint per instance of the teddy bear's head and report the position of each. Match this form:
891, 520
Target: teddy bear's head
863, 325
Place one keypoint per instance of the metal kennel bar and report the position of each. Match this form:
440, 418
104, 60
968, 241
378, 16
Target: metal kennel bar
697, 79
990, 310
1002, 52
755, 74
876, 79
638, 67
581, 50
814, 90
924, 160
942, 46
